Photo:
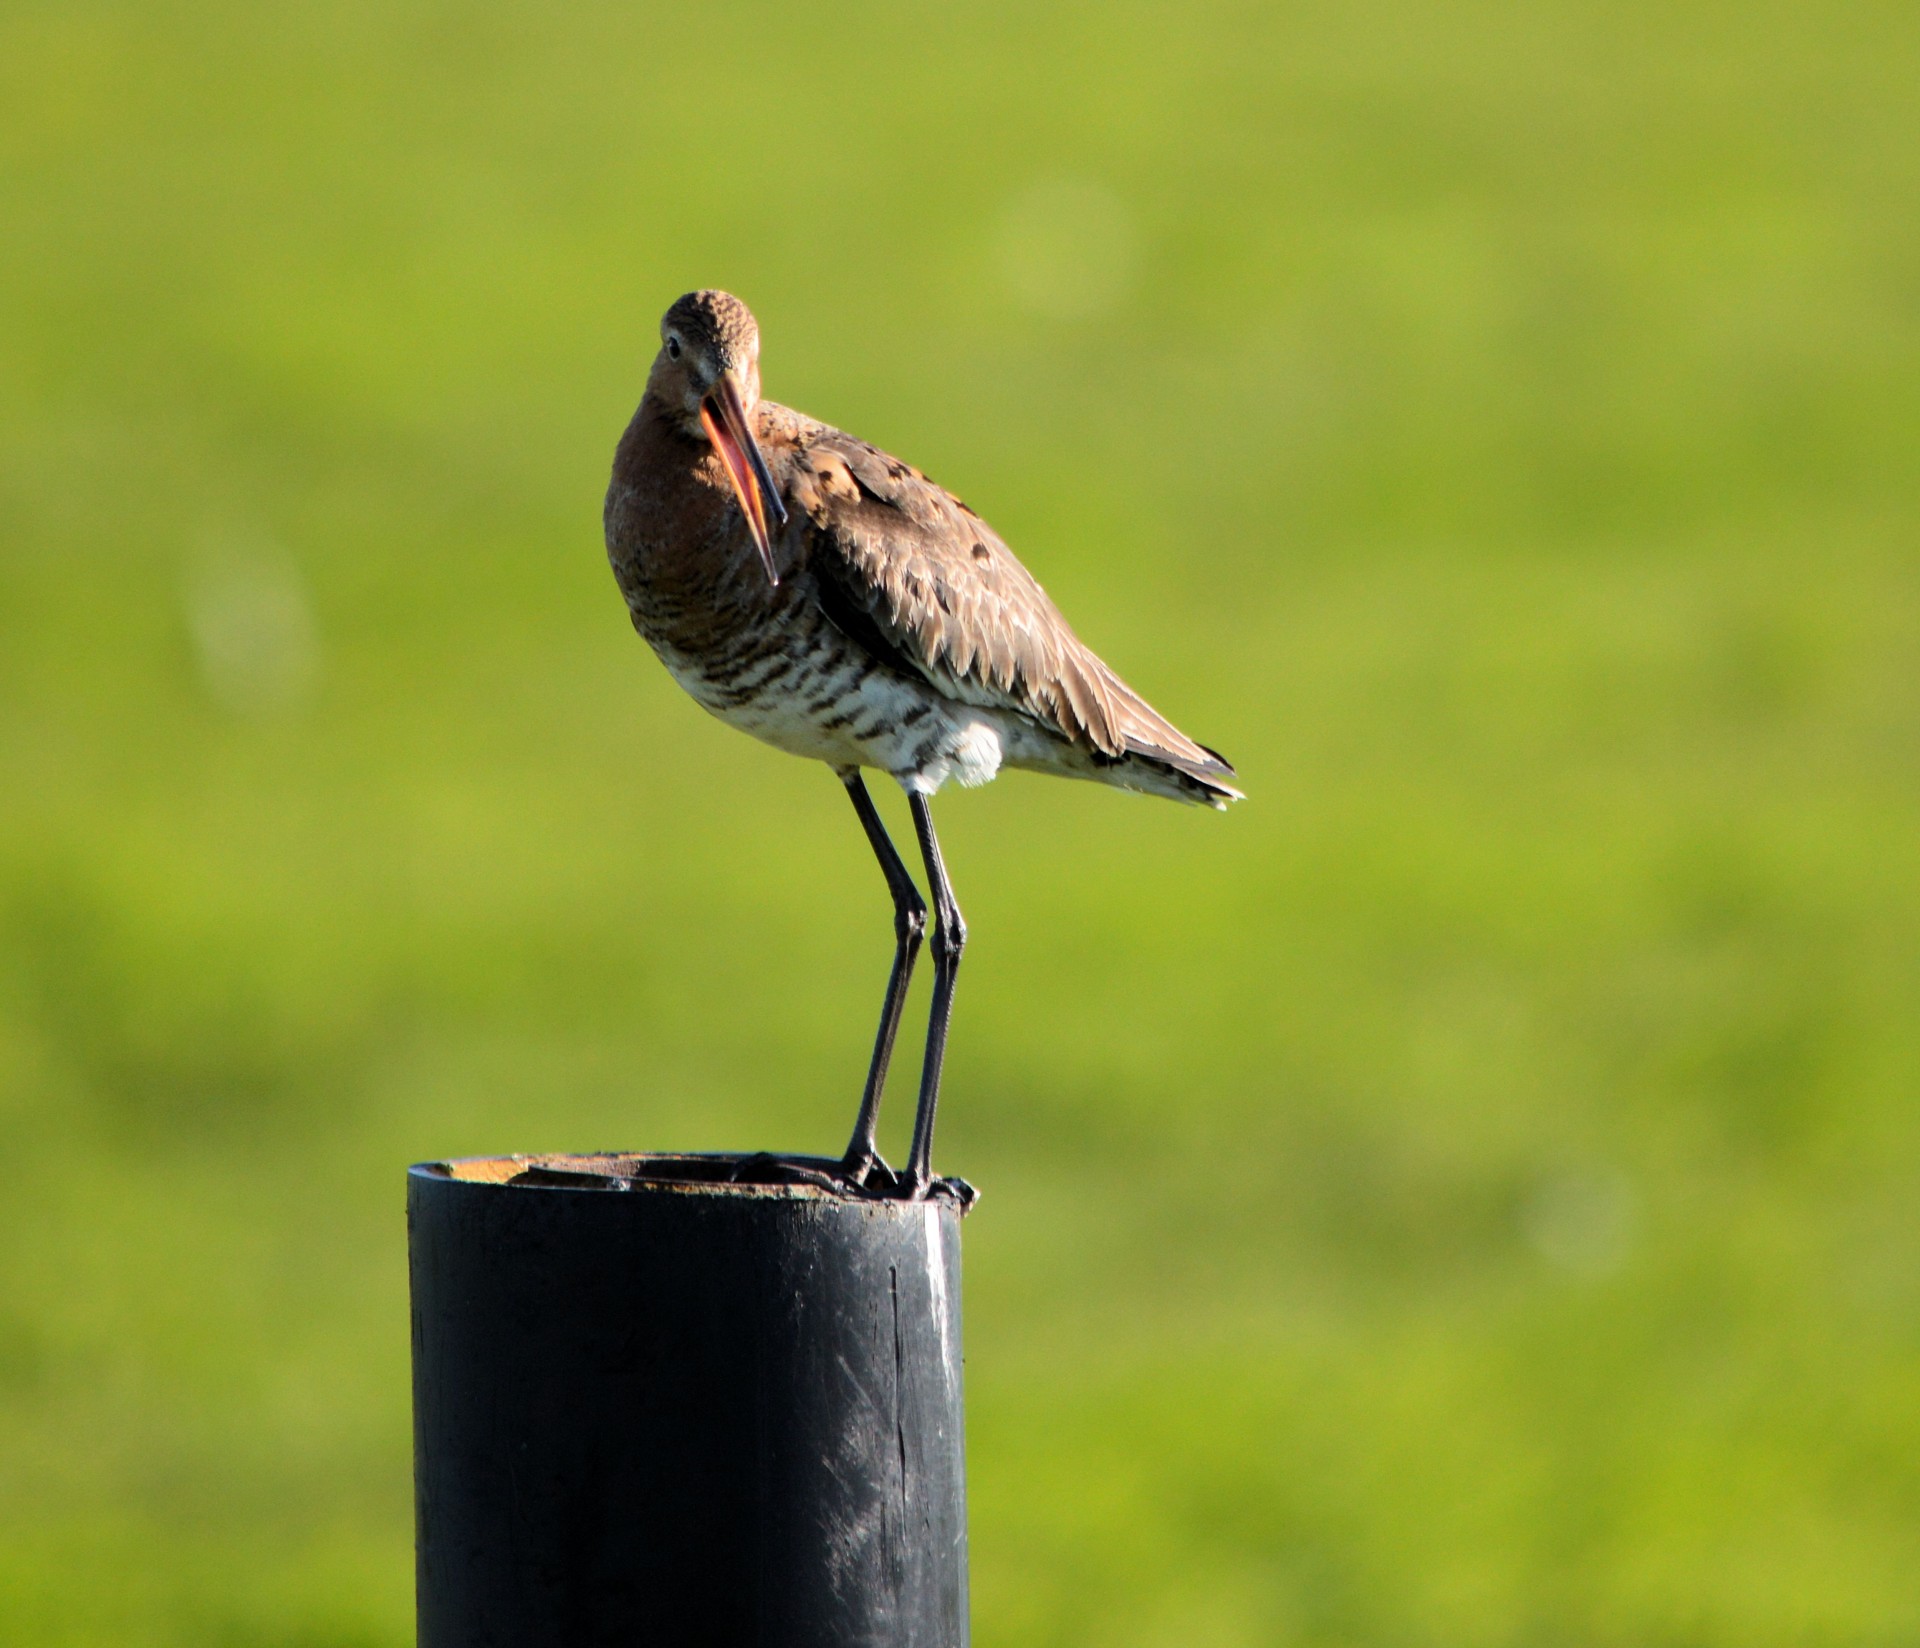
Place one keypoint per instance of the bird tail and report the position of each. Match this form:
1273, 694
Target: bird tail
1180, 778
1191, 771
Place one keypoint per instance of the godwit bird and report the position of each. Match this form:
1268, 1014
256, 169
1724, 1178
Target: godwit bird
831, 600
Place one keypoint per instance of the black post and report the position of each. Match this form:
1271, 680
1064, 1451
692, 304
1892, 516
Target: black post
656, 1406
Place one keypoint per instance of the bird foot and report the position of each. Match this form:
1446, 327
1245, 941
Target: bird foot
872, 1177
762, 1167
869, 1180
858, 1166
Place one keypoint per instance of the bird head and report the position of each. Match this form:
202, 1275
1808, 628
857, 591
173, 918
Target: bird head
707, 375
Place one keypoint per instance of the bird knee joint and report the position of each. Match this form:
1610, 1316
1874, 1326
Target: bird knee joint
910, 923
950, 937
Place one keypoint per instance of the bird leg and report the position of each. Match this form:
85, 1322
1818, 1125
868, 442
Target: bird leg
949, 939
909, 924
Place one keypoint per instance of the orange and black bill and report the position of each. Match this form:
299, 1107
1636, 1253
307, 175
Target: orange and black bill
724, 417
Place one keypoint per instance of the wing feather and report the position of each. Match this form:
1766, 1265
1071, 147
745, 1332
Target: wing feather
902, 562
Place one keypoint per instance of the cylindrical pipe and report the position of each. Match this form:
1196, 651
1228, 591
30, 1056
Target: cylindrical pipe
654, 1406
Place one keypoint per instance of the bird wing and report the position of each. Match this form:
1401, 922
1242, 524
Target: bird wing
910, 572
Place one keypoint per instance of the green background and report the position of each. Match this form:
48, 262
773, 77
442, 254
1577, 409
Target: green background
1468, 1194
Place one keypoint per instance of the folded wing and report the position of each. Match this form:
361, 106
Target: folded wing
907, 570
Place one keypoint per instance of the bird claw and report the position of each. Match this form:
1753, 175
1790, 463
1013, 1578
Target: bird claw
857, 1168
870, 1180
762, 1167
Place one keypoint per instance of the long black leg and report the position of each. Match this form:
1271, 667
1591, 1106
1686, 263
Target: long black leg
949, 939
909, 924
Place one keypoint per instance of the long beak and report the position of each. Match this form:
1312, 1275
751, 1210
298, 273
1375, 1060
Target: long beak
724, 417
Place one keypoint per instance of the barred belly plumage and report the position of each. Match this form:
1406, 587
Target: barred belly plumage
808, 690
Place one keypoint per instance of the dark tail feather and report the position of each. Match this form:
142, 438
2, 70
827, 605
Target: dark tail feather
1198, 781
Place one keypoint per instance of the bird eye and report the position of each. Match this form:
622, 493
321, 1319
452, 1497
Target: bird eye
673, 347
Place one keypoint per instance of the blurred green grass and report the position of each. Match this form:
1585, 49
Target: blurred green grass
1465, 1195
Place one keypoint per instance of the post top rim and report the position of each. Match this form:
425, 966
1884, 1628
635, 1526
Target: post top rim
749, 1176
